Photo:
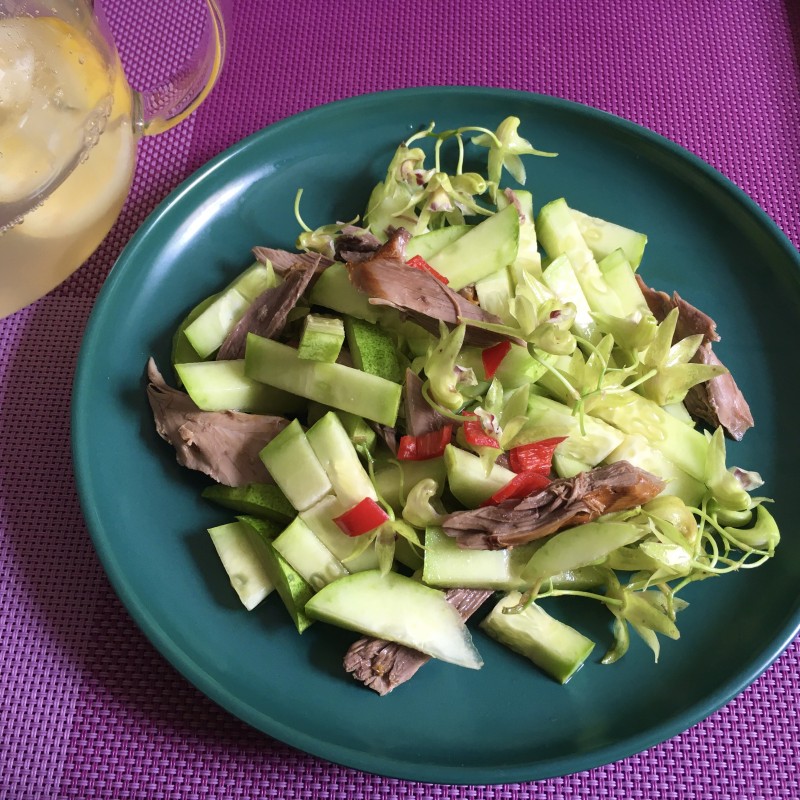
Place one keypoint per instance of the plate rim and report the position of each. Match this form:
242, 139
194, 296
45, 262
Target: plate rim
190, 670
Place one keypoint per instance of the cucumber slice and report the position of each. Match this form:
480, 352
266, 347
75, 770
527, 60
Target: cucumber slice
582, 546
394, 480
489, 246
560, 278
604, 237
636, 450
559, 234
633, 414
429, 244
335, 385
554, 647
467, 478
223, 386
333, 290
332, 446
446, 565
291, 461
241, 552
397, 609
308, 555
208, 331
319, 519
619, 275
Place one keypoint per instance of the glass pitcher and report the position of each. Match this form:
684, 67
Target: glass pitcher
69, 123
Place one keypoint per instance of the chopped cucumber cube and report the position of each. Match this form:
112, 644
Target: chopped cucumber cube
322, 338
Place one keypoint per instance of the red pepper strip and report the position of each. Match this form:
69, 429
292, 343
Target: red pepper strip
519, 487
362, 518
476, 436
424, 446
492, 356
418, 262
534, 457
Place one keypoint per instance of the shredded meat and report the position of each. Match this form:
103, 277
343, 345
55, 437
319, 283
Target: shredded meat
222, 444
719, 401
563, 503
383, 665
389, 281
267, 314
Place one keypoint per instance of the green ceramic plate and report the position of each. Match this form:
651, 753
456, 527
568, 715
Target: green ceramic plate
506, 722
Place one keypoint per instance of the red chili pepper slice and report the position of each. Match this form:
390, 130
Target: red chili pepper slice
424, 446
362, 518
493, 356
418, 262
476, 436
519, 487
534, 457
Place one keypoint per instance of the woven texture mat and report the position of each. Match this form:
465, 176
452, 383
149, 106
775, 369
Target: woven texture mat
88, 709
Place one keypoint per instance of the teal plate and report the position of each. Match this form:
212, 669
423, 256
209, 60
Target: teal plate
506, 722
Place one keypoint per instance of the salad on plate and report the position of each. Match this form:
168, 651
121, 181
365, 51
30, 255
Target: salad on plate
456, 403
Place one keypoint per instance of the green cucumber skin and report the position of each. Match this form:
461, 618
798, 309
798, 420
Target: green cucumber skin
335, 385
322, 338
262, 500
551, 645
373, 350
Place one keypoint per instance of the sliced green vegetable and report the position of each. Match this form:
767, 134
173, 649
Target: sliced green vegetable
322, 338
263, 500
336, 385
553, 646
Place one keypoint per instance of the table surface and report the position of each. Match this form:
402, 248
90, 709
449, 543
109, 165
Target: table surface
88, 708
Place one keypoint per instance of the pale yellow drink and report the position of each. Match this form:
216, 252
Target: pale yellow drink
65, 120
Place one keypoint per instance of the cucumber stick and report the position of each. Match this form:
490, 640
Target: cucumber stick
332, 446
293, 465
333, 290
208, 331
299, 545
554, 647
335, 385
241, 551
223, 386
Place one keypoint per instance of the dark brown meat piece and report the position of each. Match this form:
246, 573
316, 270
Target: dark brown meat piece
355, 244
563, 504
420, 417
266, 315
389, 281
719, 401
222, 444
383, 665
282, 260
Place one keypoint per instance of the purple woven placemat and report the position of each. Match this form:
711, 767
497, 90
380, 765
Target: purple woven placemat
88, 709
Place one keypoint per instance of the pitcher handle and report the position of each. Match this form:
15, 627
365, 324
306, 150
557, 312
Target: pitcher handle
157, 110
